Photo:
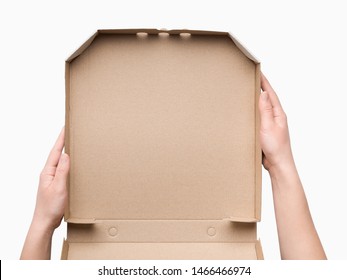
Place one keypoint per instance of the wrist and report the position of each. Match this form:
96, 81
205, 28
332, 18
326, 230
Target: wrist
42, 226
284, 177
283, 169
280, 161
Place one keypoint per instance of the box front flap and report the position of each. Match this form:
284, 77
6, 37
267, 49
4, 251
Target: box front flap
162, 128
163, 251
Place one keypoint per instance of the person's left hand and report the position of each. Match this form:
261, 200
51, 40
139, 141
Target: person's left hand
52, 191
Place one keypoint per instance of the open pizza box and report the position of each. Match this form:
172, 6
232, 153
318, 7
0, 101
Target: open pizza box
162, 131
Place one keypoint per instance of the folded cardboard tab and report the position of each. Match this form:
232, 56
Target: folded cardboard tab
162, 132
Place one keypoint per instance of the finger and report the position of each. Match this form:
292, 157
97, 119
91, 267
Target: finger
265, 85
62, 171
265, 110
54, 155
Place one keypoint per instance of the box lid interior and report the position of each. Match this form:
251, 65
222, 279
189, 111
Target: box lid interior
162, 127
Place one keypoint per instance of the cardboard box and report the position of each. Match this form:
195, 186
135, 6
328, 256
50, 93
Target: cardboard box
162, 131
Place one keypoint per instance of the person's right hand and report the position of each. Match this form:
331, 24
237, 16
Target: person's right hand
274, 134
52, 191
50, 204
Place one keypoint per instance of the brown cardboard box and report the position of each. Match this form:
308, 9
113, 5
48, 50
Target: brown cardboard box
162, 131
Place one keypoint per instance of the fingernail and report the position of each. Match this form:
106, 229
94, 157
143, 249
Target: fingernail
264, 96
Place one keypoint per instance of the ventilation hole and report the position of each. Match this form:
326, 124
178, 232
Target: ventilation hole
163, 34
185, 35
142, 35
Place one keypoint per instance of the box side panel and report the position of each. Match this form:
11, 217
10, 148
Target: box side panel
65, 250
165, 129
163, 251
258, 151
87, 43
156, 31
67, 131
67, 108
259, 250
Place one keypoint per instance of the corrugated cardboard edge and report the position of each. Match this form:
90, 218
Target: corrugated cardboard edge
67, 131
65, 250
259, 250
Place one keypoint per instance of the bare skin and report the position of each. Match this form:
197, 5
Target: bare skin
50, 204
298, 237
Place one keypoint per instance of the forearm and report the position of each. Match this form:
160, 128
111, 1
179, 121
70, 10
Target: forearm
38, 242
297, 235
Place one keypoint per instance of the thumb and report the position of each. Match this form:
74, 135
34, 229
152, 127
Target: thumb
265, 110
62, 171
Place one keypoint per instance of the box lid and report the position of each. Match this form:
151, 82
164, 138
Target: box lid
162, 125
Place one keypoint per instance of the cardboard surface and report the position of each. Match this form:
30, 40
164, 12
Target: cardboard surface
162, 231
153, 251
162, 129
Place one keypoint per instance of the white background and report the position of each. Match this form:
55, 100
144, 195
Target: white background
88, 270
301, 44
